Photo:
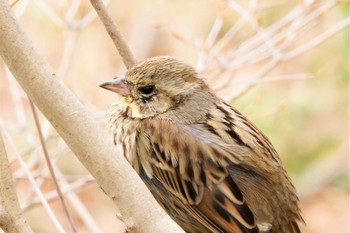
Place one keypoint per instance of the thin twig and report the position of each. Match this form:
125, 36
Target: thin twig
69, 43
114, 33
49, 165
72, 10
51, 14
20, 7
14, 3
35, 186
283, 77
71, 190
74, 187
267, 48
318, 40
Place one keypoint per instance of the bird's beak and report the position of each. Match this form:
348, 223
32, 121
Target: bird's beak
117, 86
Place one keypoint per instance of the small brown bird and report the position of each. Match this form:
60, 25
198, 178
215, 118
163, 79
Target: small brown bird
208, 166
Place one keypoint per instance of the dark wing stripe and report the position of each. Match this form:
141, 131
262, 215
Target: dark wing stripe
223, 110
160, 155
246, 213
246, 230
189, 171
221, 215
191, 192
239, 212
225, 189
115, 140
235, 136
215, 172
222, 212
124, 150
234, 189
220, 198
203, 177
169, 180
296, 227
211, 129
188, 191
205, 220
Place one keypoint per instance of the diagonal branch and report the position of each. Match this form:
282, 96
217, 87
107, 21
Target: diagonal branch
51, 169
76, 126
114, 33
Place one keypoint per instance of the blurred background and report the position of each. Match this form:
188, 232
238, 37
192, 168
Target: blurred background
284, 64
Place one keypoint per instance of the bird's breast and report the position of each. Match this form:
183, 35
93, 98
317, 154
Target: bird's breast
124, 131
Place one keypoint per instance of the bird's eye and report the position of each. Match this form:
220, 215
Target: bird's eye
147, 89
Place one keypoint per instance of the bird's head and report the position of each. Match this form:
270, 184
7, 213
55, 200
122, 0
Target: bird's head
157, 85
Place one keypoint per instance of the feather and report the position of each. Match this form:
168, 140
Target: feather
226, 200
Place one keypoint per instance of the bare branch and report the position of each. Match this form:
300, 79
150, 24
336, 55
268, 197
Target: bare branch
114, 33
49, 165
77, 127
36, 188
11, 218
317, 40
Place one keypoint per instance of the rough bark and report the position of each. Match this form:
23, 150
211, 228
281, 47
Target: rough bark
76, 126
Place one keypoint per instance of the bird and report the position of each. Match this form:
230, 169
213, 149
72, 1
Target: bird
209, 167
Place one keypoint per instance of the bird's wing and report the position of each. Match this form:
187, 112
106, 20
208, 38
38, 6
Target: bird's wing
248, 143
192, 164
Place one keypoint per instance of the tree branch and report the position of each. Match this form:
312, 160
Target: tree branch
114, 33
51, 169
11, 218
79, 130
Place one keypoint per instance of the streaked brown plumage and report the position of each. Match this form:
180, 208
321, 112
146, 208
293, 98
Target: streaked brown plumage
209, 167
